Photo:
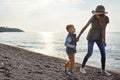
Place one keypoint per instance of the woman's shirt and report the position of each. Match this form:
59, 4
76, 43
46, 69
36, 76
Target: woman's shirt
97, 30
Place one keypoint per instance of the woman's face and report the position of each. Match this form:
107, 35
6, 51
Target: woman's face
99, 16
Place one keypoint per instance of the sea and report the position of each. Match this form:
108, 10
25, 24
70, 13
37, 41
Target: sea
52, 44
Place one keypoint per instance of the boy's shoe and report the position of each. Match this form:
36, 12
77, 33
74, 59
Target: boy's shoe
65, 70
105, 73
82, 70
69, 73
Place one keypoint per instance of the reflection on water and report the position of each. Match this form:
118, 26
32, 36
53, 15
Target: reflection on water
47, 39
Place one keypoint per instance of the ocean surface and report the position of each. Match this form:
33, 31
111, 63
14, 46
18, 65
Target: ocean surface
52, 44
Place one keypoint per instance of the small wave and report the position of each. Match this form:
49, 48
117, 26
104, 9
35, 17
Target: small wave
117, 58
26, 46
42, 43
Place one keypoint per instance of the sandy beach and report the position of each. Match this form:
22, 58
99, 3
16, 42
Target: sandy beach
20, 64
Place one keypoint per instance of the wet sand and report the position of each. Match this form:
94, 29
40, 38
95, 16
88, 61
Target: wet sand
20, 64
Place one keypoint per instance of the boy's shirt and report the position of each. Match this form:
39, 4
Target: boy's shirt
70, 43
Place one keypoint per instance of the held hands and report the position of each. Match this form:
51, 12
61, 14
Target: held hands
77, 39
74, 47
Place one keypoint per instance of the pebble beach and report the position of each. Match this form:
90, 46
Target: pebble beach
21, 64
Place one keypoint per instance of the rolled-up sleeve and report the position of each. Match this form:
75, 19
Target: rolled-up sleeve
91, 19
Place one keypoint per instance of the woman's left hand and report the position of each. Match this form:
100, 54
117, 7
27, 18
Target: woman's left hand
105, 44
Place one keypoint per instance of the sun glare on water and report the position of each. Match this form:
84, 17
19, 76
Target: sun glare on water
47, 38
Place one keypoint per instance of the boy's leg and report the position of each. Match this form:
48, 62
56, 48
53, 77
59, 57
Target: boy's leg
71, 63
67, 64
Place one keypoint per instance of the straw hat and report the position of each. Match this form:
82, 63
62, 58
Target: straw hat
100, 9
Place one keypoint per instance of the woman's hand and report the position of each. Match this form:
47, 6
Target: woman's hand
105, 44
77, 39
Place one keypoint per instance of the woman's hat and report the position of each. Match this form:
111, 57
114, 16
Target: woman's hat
100, 9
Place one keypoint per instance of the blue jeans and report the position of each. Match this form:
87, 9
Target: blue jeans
101, 47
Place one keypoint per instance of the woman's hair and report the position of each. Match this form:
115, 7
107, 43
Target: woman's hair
101, 19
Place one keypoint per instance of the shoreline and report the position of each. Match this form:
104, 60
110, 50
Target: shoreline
21, 64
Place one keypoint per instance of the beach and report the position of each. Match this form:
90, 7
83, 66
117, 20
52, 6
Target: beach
21, 64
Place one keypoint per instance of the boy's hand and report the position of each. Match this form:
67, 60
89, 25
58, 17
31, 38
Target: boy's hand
74, 47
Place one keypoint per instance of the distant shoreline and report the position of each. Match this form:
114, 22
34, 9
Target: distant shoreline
7, 29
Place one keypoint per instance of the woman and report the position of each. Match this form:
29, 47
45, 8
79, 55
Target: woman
97, 34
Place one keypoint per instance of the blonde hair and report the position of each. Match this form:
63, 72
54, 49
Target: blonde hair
68, 27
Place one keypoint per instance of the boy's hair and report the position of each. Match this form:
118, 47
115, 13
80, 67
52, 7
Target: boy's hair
69, 27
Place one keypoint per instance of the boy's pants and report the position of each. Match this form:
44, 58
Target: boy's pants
70, 64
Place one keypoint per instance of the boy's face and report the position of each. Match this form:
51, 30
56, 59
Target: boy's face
72, 30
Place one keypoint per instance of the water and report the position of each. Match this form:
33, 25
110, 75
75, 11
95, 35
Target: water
52, 44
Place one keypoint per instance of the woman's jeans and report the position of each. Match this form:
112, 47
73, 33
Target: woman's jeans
101, 47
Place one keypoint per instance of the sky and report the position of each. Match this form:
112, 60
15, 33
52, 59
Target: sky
54, 15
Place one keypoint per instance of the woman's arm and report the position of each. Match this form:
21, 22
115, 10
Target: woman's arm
83, 29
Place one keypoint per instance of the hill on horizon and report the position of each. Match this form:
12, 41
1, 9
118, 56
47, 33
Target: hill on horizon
7, 29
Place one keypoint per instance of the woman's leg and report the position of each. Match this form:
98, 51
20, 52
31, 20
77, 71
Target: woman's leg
101, 46
89, 53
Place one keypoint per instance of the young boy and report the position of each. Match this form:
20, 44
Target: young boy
70, 44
